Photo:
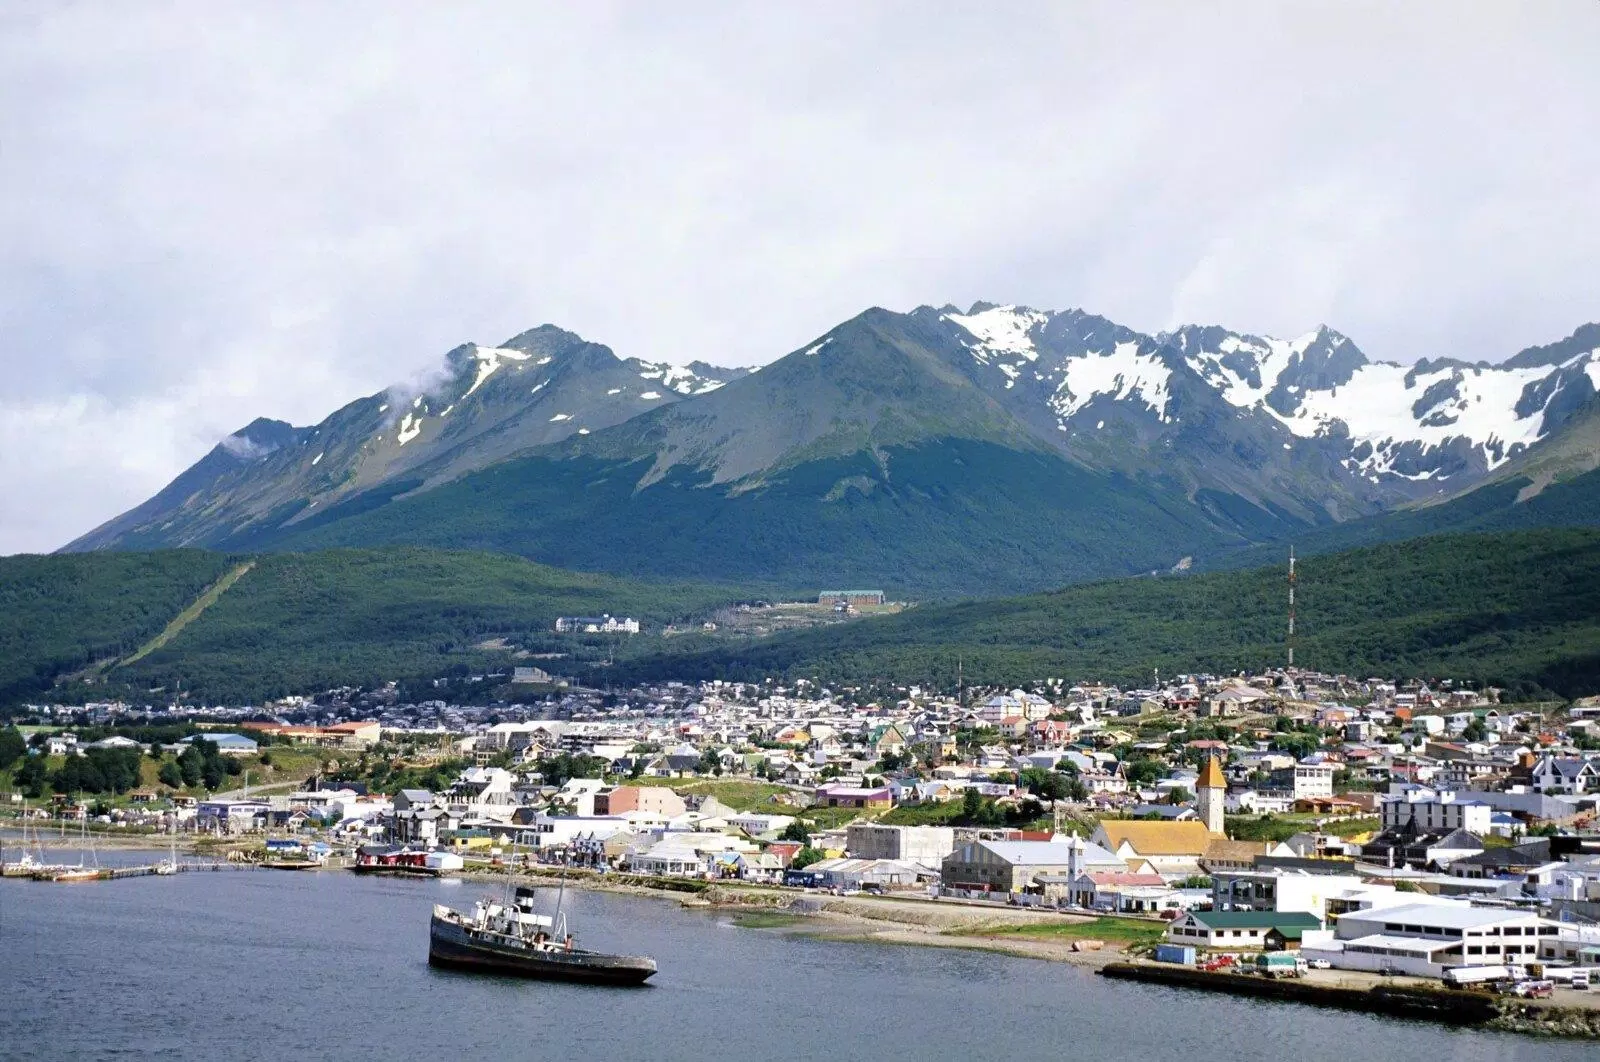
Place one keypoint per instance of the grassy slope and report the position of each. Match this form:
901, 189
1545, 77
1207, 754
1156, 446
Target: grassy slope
1509, 607
206, 599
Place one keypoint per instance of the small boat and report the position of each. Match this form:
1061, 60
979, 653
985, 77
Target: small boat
512, 938
73, 875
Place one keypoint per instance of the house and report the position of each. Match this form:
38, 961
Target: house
655, 800
1250, 930
1411, 846
885, 740
1225, 855
1119, 891
1174, 849
231, 816
986, 867
1565, 774
1423, 939
844, 796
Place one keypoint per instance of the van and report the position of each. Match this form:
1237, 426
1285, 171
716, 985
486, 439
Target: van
1580, 981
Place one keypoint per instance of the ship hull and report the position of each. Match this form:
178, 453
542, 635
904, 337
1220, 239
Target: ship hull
454, 947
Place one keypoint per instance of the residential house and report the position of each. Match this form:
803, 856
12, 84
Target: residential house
1242, 930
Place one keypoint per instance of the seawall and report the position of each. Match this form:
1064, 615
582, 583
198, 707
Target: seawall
1402, 1001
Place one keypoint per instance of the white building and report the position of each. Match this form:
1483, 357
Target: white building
1425, 939
1435, 811
1313, 780
915, 844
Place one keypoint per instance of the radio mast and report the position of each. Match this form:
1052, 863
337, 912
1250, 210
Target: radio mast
1291, 608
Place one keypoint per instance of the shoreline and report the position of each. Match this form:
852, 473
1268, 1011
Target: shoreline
916, 922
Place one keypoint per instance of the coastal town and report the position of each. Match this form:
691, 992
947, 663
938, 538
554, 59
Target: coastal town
1289, 822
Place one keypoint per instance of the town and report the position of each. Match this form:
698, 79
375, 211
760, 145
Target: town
1290, 821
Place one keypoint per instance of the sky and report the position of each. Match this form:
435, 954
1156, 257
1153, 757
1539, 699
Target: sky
214, 212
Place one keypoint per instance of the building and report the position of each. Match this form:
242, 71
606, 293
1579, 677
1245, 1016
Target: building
1424, 939
912, 844
1279, 890
1435, 812
845, 796
1411, 846
850, 598
355, 735
1211, 795
1173, 849
1312, 780
231, 816
655, 800
605, 624
1242, 930
1012, 866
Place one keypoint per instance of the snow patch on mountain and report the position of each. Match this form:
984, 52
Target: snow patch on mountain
1122, 373
491, 358
1387, 406
1000, 331
679, 378
410, 427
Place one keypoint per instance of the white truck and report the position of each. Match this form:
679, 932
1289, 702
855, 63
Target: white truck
1465, 976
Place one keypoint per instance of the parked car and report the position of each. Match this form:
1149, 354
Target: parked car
1319, 964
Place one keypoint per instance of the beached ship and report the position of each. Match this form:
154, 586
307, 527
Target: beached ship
513, 938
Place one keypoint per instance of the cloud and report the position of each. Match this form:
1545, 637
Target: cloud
209, 214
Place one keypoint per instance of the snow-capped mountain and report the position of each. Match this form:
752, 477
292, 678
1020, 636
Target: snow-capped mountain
487, 404
1408, 429
992, 448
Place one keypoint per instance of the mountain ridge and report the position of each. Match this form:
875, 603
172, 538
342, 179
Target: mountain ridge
1199, 439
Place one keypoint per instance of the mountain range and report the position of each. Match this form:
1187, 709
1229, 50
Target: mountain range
936, 453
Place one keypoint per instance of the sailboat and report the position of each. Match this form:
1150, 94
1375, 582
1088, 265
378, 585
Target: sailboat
26, 864
170, 864
81, 872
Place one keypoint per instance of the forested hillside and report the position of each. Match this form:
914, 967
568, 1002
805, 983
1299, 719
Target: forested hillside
1519, 609
293, 622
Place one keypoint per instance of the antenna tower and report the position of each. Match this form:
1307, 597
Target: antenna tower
1291, 608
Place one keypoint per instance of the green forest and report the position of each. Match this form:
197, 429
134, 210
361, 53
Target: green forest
1520, 609
295, 622
1517, 609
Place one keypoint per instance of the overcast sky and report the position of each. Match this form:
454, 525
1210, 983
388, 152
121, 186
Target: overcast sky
212, 212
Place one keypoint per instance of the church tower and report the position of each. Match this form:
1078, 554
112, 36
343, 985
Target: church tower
1211, 792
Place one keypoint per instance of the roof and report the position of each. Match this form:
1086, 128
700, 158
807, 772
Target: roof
1289, 923
1221, 848
1049, 853
1442, 915
1211, 775
1158, 838
1399, 945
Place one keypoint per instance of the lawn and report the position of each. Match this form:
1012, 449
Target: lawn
738, 795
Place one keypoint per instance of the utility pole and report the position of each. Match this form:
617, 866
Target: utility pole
1291, 608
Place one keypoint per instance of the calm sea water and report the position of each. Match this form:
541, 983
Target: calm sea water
310, 966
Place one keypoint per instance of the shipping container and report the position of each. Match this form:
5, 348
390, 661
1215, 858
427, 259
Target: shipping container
1183, 954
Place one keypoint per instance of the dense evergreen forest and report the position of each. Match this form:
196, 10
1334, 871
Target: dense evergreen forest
1517, 609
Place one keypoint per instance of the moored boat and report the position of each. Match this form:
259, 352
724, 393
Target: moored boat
511, 938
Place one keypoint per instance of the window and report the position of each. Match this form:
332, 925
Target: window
1474, 949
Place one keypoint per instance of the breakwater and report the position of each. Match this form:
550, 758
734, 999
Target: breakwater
1453, 1007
